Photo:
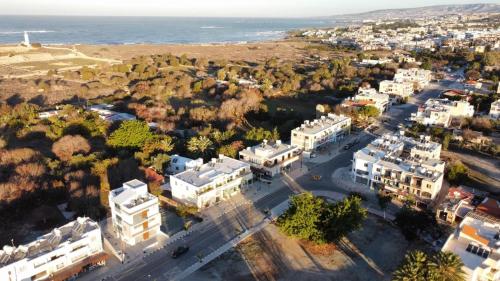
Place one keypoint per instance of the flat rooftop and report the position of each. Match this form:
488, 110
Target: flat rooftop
211, 171
321, 124
69, 232
468, 241
268, 150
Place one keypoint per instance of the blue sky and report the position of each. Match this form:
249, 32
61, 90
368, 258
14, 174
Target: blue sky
215, 8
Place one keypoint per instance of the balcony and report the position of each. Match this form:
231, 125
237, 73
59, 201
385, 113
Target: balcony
239, 178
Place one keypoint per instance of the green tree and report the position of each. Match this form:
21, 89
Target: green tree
446, 266
199, 144
221, 74
457, 173
341, 218
132, 134
446, 141
442, 266
369, 111
383, 201
312, 218
413, 268
303, 218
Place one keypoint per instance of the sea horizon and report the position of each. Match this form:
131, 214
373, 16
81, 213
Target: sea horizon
125, 30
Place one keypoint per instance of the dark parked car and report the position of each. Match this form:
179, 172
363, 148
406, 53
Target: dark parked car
179, 251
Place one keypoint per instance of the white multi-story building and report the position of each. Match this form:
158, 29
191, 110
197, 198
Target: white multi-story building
327, 129
380, 101
401, 165
270, 158
495, 110
135, 212
211, 182
419, 77
58, 255
441, 111
397, 91
180, 164
476, 241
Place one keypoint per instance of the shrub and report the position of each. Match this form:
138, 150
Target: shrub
67, 146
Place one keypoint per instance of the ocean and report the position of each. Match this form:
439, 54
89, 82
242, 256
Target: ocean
147, 30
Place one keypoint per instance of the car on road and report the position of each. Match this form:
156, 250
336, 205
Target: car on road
179, 251
316, 177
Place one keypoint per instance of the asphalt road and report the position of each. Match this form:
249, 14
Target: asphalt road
160, 265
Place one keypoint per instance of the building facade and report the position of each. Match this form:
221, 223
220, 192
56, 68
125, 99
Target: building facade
441, 111
420, 78
270, 158
380, 100
327, 129
135, 212
180, 164
58, 255
211, 182
397, 91
495, 110
401, 165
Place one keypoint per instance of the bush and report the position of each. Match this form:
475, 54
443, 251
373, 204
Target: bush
67, 146
457, 173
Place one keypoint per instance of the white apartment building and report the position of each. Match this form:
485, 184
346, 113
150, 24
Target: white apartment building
495, 110
211, 182
441, 111
135, 212
180, 164
420, 78
476, 241
327, 129
380, 100
58, 255
397, 91
401, 165
270, 158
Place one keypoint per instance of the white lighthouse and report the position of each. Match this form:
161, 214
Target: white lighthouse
27, 39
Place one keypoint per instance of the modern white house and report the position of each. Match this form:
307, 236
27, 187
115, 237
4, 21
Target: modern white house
495, 110
59, 255
476, 241
270, 158
106, 113
420, 78
135, 212
441, 111
401, 165
397, 91
179, 164
211, 182
327, 129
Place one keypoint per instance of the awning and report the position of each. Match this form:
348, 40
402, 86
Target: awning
78, 267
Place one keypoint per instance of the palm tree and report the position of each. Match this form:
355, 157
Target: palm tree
447, 266
413, 268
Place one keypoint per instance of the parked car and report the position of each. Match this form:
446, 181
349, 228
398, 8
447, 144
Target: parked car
179, 251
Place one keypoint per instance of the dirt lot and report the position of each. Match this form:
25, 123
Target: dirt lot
371, 253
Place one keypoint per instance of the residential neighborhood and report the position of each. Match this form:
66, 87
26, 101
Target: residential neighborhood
366, 150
